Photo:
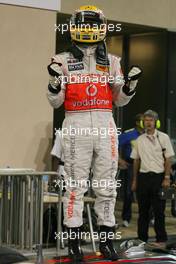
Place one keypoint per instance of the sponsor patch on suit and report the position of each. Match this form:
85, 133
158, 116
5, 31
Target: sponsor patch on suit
76, 67
72, 60
102, 61
102, 68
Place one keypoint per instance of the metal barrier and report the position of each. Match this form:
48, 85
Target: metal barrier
21, 207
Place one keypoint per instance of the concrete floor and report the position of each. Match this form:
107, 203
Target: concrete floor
131, 231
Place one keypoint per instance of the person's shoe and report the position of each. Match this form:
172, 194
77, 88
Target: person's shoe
125, 223
74, 245
106, 244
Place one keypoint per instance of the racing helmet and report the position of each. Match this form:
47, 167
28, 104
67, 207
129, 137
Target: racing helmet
88, 25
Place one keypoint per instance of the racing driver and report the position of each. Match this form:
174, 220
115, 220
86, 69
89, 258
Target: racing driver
88, 81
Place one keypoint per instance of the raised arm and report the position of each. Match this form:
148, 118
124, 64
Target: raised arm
56, 86
123, 90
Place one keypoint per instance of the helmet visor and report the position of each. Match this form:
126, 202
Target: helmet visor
90, 18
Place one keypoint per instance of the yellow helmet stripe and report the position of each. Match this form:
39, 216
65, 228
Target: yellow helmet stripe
88, 8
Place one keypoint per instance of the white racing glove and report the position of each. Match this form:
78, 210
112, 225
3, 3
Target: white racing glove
132, 80
133, 76
55, 73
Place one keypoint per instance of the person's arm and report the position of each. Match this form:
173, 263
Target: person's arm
123, 90
56, 163
167, 171
56, 151
122, 164
168, 153
56, 86
123, 140
136, 166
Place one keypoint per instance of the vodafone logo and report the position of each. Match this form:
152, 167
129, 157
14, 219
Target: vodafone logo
91, 90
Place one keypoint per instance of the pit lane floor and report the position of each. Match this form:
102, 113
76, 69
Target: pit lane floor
126, 233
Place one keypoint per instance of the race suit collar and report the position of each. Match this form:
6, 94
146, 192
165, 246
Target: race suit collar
87, 50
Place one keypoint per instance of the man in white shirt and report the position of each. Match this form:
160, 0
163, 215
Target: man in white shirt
151, 170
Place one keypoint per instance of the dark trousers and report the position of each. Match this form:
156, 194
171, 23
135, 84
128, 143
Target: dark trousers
128, 194
148, 187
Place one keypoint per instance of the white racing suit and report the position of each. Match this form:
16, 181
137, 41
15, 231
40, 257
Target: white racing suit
88, 108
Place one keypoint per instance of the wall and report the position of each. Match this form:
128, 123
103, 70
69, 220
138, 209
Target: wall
27, 42
159, 13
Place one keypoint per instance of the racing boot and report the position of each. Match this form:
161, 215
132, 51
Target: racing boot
74, 245
106, 244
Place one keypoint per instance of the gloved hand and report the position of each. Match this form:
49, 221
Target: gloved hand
133, 76
132, 80
55, 72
